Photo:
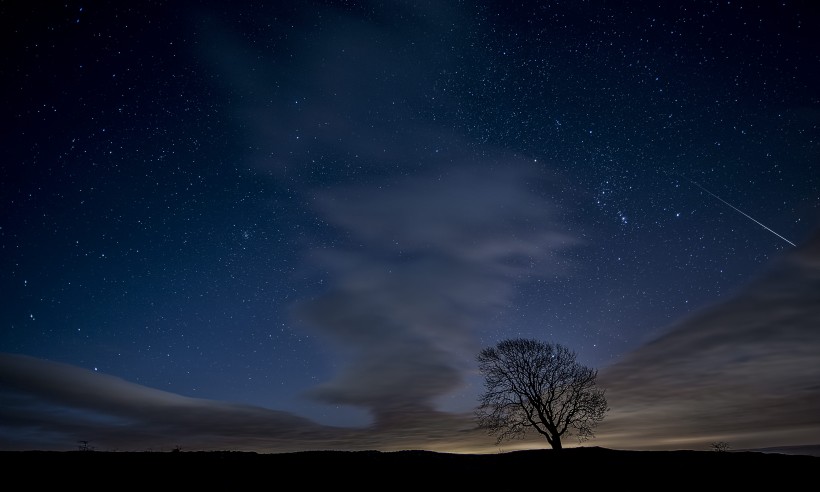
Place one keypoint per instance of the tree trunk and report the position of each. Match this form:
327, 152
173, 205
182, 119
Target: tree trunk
556, 443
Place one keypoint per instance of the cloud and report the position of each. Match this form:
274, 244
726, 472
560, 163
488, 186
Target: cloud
53, 406
353, 87
743, 371
435, 256
45, 398
440, 232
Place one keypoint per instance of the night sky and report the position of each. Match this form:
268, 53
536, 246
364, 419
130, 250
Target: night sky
293, 225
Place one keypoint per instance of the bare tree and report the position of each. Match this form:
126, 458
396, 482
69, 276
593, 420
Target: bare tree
531, 384
720, 446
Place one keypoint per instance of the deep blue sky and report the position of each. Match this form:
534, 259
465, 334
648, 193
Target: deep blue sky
328, 208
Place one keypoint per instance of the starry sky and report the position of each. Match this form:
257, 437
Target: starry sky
293, 225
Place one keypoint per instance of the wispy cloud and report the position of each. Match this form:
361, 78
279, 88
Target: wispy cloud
439, 231
355, 90
743, 371
433, 262
54, 406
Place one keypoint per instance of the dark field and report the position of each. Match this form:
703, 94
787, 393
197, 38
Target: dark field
577, 468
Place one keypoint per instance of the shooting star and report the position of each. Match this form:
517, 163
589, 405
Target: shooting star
737, 209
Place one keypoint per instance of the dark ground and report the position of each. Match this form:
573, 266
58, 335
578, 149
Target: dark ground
578, 468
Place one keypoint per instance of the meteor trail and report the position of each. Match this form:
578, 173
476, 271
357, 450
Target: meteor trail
737, 209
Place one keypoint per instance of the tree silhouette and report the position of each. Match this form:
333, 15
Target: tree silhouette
531, 384
720, 446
